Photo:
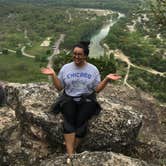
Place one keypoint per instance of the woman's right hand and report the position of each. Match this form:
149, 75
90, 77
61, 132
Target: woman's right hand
48, 71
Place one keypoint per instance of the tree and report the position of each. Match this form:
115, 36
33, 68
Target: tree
48, 52
18, 52
158, 8
5, 51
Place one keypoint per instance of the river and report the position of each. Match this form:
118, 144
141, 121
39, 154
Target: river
96, 50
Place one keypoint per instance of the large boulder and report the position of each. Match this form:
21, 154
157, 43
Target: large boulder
2, 95
8, 123
16, 146
151, 145
30, 133
95, 159
115, 128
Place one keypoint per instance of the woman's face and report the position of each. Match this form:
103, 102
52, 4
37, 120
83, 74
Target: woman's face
79, 57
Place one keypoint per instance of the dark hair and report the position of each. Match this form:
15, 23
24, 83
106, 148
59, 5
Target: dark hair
84, 45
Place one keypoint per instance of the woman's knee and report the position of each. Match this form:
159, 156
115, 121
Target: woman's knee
81, 131
68, 127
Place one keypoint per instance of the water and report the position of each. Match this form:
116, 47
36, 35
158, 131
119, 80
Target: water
96, 50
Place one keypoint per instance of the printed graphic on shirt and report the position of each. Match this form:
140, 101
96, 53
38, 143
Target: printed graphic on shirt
78, 81
81, 74
78, 84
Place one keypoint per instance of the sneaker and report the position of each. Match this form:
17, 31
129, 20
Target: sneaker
69, 161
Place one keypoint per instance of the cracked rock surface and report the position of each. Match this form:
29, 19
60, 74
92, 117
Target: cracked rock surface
31, 133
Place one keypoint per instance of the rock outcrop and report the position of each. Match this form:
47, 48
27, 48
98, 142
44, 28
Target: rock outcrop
2, 95
94, 159
32, 132
116, 127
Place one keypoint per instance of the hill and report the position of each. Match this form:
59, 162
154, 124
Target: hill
123, 6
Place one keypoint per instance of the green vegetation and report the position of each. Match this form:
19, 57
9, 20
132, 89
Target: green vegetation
15, 68
141, 50
158, 8
154, 84
118, 5
37, 50
144, 48
30, 25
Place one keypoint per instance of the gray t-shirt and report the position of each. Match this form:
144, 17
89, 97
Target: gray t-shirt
79, 80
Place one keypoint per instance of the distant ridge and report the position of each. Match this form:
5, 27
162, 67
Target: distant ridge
119, 5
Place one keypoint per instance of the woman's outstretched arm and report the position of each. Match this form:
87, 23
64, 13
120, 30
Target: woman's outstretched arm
104, 82
50, 71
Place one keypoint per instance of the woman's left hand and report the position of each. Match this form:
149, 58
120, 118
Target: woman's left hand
113, 77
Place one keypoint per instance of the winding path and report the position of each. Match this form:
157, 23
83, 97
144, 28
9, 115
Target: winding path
56, 50
10, 50
55, 47
25, 54
29, 43
118, 54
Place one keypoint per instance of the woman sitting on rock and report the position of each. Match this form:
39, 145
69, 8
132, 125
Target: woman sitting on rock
80, 81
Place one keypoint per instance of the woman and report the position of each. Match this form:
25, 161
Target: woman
78, 78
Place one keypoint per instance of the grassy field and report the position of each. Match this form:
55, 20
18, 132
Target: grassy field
14, 68
12, 40
36, 49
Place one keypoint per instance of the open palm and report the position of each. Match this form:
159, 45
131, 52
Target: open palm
113, 76
48, 71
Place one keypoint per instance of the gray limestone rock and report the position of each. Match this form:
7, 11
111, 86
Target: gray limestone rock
30, 133
95, 159
115, 128
16, 146
2, 96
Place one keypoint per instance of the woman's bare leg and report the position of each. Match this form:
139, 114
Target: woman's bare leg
70, 143
77, 142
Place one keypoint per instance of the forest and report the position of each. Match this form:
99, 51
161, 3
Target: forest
29, 26
142, 37
117, 5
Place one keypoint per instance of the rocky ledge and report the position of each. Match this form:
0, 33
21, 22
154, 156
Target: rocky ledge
34, 133
95, 159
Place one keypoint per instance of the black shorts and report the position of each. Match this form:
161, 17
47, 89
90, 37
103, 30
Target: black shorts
76, 115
